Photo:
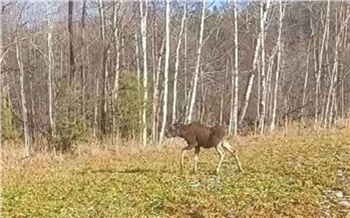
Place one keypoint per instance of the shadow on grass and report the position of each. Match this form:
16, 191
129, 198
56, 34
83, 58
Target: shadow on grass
124, 171
136, 171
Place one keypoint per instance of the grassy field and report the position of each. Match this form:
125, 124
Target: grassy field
300, 175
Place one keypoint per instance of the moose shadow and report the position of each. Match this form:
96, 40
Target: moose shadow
114, 170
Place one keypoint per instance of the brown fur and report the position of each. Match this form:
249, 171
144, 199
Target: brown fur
200, 136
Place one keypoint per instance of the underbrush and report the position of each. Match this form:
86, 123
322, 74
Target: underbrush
299, 175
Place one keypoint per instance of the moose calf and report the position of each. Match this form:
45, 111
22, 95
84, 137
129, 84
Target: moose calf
199, 136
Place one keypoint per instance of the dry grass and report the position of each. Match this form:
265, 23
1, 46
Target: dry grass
285, 176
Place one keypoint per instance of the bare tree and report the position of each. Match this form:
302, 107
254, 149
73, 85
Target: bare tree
71, 51
345, 46
196, 74
186, 92
96, 96
305, 82
177, 61
334, 76
320, 63
279, 62
117, 62
250, 82
155, 77
138, 73
50, 71
223, 88
104, 69
82, 62
166, 67
263, 76
234, 84
23, 97
143, 12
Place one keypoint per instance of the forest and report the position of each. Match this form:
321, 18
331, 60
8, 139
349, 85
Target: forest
89, 90
75, 70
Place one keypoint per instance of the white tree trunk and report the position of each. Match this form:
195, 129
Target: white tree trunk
332, 89
342, 89
49, 79
143, 12
82, 62
117, 65
324, 105
263, 76
104, 68
23, 97
234, 84
223, 95
156, 93
177, 62
320, 65
185, 66
96, 93
248, 89
166, 68
196, 74
269, 97
138, 74
278, 71
305, 83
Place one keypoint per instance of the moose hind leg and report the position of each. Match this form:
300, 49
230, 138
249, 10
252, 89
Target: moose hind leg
234, 152
221, 153
196, 153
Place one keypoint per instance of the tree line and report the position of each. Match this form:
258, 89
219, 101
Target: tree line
124, 69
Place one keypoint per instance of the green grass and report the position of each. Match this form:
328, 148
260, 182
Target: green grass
283, 177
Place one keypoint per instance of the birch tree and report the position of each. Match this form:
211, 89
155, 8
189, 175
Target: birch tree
23, 97
234, 84
117, 63
154, 77
104, 69
223, 88
156, 93
334, 76
263, 76
345, 46
250, 82
166, 67
138, 73
143, 12
186, 92
306, 77
50, 71
320, 63
279, 63
82, 62
196, 74
177, 61
96, 96
71, 51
